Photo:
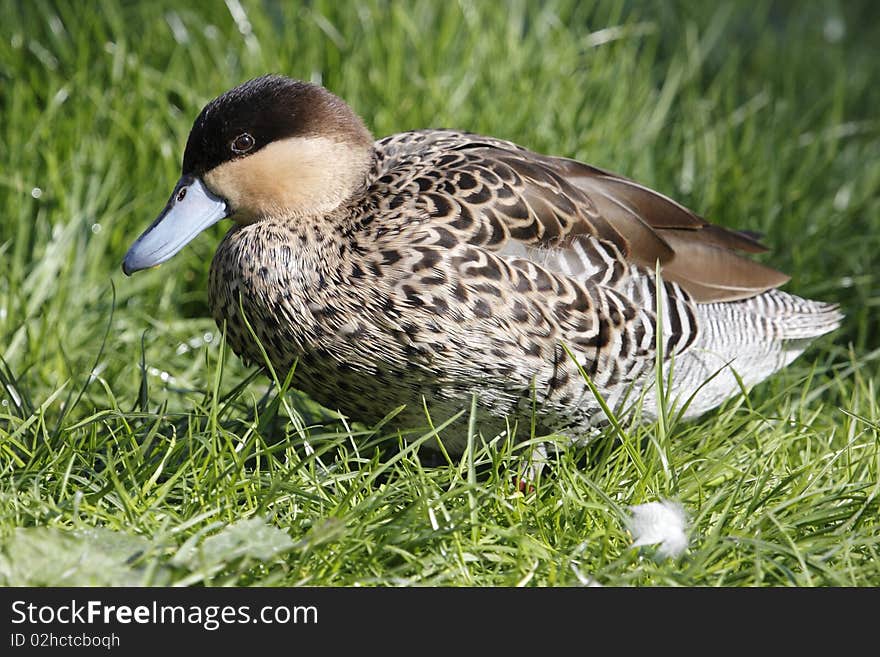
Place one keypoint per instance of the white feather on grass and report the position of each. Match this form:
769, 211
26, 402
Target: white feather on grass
661, 522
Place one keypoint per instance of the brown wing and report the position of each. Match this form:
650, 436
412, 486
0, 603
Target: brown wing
506, 198
704, 258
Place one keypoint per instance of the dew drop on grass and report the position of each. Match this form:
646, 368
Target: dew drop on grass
56, 25
46, 58
243, 23
208, 337
96, 372
96, 228
14, 394
162, 374
240, 17
36, 192
842, 198
178, 29
834, 29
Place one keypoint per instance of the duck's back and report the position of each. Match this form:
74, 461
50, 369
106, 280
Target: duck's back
579, 246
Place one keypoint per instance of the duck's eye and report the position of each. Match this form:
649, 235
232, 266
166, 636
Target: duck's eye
242, 144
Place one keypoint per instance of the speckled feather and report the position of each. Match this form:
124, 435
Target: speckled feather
464, 263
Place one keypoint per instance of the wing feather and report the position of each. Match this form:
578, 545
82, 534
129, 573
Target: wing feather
524, 202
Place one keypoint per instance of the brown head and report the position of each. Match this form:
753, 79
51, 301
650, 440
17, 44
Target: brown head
271, 147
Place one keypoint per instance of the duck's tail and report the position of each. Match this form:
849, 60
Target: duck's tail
751, 338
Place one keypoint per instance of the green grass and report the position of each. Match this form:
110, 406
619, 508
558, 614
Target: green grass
135, 448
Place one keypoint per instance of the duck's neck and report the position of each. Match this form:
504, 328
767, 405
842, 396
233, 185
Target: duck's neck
289, 278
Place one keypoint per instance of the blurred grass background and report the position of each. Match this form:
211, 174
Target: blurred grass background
120, 411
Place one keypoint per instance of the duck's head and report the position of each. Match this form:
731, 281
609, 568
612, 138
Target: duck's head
271, 147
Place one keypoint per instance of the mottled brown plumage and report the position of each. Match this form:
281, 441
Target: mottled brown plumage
433, 265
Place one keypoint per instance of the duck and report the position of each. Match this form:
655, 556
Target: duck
434, 268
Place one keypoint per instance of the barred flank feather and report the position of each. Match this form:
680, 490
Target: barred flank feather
753, 338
